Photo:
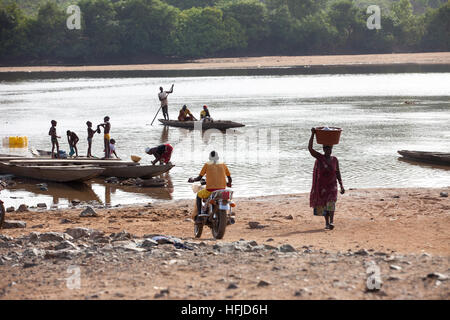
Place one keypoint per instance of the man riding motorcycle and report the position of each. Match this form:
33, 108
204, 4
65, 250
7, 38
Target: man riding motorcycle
217, 174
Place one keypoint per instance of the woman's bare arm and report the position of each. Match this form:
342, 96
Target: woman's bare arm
313, 152
338, 176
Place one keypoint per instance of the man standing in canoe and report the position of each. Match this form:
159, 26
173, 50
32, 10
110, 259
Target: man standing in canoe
162, 96
326, 173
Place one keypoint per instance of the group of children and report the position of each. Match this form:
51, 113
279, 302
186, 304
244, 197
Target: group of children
73, 139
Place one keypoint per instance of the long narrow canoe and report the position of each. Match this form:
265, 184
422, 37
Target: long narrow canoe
52, 172
220, 125
140, 171
60, 162
441, 158
47, 154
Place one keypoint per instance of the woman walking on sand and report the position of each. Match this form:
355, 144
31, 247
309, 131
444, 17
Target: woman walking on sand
324, 187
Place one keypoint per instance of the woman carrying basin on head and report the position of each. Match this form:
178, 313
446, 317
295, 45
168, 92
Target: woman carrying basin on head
326, 173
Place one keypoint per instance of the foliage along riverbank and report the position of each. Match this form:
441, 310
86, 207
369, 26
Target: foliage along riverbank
149, 31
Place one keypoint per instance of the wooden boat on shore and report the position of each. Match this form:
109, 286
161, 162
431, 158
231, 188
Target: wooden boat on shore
54, 173
113, 168
440, 158
74, 161
138, 171
220, 125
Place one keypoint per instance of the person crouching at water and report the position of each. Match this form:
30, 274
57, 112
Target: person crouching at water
112, 148
162, 153
326, 172
72, 139
54, 137
106, 130
186, 115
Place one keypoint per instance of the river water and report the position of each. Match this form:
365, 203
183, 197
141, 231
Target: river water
268, 156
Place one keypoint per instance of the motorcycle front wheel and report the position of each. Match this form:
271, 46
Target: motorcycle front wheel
198, 229
220, 225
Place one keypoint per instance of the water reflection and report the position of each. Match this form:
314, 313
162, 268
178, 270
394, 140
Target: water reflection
95, 191
164, 135
59, 192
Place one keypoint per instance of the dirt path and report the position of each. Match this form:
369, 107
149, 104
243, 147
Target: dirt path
405, 232
258, 62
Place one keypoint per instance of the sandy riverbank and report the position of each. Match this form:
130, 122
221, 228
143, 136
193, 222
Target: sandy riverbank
436, 58
406, 232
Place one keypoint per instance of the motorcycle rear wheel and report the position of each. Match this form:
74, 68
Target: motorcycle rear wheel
220, 225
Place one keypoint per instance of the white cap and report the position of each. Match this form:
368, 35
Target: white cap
147, 150
213, 156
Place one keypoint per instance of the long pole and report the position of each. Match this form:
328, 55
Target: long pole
156, 115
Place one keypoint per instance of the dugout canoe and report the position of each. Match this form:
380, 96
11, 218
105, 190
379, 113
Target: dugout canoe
54, 173
440, 158
220, 125
74, 161
136, 171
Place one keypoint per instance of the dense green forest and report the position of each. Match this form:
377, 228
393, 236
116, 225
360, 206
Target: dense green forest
35, 31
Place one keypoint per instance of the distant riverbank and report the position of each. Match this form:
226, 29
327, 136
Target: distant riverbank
431, 58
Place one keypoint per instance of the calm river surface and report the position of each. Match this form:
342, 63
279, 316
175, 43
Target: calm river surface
268, 156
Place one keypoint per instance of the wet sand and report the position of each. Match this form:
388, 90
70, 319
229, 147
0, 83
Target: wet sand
405, 228
435, 58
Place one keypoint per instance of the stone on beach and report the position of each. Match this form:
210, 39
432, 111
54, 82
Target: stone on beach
49, 236
286, 248
61, 254
263, 283
255, 225
13, 224
42, 205
22, 208
436, 275
80, 232
148, 243
88, 212
10, 209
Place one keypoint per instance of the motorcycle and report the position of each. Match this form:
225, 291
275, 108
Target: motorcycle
216, 211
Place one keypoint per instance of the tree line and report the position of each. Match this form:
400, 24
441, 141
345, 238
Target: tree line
152, 30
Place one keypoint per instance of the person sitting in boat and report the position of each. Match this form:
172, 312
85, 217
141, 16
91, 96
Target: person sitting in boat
162, 153
72, 139
204, 115
186, 115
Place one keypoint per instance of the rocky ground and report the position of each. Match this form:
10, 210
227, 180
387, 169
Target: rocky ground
396, 248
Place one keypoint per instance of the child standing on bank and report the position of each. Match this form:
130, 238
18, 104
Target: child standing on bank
106, 137
90, 133
54, 139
